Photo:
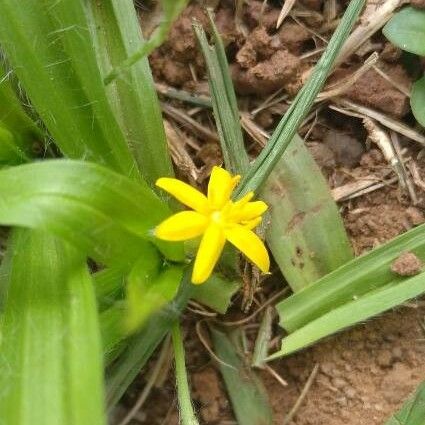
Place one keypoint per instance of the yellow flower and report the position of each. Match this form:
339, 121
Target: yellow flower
217, 218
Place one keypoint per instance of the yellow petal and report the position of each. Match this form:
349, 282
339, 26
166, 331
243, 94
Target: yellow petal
185, 193
182, 226
244, 200
250, 244
220, 187
248, 211
208, 254
252, 223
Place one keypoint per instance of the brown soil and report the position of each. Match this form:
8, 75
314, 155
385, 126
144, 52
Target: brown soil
365, 373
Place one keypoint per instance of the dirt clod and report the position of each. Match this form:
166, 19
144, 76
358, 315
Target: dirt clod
415, 215
347, 149
407, 264
418, 3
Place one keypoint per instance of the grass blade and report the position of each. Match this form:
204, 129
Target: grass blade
285, 131
223, 101
51, 363
132, 96
248, 397
359, 276
105, 214
351, 313
301, 205
50, 47
172, 9
187, 414
413, 410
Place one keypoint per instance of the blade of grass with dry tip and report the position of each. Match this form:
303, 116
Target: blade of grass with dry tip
118, 35
353, 312
286, 129
105, 214
413, 410
223, 101
305, 231
49, 46
51, 363
171, 10
187, 414
140, 347
247, 394
355, 278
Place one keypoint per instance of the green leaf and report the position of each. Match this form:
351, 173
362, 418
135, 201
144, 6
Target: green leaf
355, 278
140, 347
24, 132
148, 290
105, 214
117, 33
172, 9
306, 234
223, 101
50, 48
286, 129
301, 205
413, 410
353, 312
247, 394
406, 29
187, 414
51, 363
417, 101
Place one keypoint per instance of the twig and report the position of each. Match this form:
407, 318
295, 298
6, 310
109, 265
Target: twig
301, 398
286, 8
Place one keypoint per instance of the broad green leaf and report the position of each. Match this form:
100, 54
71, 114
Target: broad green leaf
247, 394
140, 347
171, 9
417, 100
117, 33
51, 362
413, 410
288, 125
148, 290
306, 234
353, 312
49, 46
105, 214
113, 331
406, 29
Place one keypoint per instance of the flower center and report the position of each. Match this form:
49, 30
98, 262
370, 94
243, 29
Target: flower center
217, 217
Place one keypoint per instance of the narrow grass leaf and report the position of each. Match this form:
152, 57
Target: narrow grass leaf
171, 9
355, 278
51, 363
133, 97
413, 410
247, 394
107, 215
49, 45
223, 101
353, 312
187, 415
286, 129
